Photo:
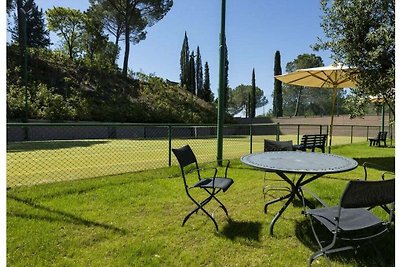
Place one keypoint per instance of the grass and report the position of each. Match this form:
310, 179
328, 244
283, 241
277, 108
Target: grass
135, 220
48, 161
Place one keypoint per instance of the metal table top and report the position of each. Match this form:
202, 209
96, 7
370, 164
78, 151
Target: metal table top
299, 162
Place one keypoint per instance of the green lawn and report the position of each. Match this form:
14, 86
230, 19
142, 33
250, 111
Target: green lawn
48, 161
135, 220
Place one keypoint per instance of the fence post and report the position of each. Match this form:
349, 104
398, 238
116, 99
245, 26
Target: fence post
320, 129
277, 131
351, 135
251, 138
169, 145
298, 133
367, 132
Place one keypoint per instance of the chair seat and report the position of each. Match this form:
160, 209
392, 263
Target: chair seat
223, 183
298, 147
350, 219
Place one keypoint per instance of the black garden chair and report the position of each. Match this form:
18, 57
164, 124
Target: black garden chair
270, 184
212, 185
351, 222
384, 176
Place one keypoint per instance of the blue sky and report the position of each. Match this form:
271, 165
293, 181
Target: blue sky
255, 30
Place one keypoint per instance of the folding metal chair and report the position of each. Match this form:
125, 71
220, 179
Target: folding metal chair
351, 222
384, 176
212, 185
270, 145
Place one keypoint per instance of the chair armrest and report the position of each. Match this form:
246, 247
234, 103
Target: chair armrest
368, 164
198, 170
304, 189
386, 172
228, 162
227, 166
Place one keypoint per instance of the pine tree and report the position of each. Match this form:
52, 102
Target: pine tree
278, 99
185, 63
199, 73
36, 33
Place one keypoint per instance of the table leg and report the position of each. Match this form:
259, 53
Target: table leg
271, 225
293, 192
274, 201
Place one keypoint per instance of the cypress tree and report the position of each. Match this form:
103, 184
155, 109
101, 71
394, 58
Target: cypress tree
199, 73
184, 61
253, 96
207, 94
192, 75
278, 100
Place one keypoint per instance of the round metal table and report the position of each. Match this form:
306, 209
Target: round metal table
303, 163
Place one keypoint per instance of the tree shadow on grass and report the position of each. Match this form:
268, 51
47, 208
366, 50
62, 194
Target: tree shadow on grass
58, 215
243, 230
380, 252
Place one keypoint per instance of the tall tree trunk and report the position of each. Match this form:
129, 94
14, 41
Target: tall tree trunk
296, 111
127, 46
115, 54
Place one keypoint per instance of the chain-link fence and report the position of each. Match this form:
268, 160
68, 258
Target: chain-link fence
51, 152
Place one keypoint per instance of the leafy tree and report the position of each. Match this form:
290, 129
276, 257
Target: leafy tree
68, 23
136, 16
240, 99
277, 102
298, 97
95, 42
36, 32
112, 22
93, 38
253, 95
361, 33
199, 72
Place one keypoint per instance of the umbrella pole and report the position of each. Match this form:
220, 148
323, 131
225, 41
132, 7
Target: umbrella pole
332, 114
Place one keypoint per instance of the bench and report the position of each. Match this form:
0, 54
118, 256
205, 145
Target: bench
377, 140
312, 141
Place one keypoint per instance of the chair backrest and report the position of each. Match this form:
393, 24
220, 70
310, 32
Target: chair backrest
184, 155
363, 194
382, 135
270, 145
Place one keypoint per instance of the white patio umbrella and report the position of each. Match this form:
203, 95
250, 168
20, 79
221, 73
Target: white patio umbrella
335, 76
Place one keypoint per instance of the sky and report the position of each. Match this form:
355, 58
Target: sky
255, 30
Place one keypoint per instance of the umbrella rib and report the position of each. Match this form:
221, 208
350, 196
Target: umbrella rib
298, 79
323, 80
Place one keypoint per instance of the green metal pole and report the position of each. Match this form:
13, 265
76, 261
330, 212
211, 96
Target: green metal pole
221, 90
383, 117
25, 58
298, 133
169, 145
351, 134
251, 137
277, 131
